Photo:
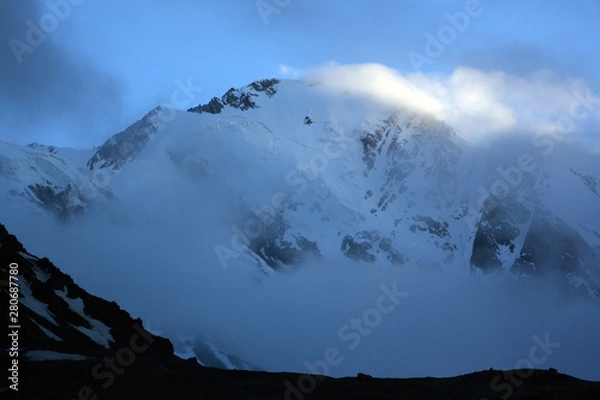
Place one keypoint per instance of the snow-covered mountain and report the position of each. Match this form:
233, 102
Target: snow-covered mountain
279, 173
51, 179
379, 185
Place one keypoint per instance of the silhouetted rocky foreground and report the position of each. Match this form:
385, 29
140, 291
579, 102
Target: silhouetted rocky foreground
64, 343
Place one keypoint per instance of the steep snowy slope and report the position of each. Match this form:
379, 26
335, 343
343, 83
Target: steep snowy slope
57, 318
42, 177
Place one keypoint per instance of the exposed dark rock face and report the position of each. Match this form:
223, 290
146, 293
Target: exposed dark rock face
553, 250
357, 250
265, 85
55, 314
239, 99
498, 227
37, 146
402, 146
126, 145
428, 224
55, 200
365, 243
41, 176
278, 252
541, 245
214, 106
429, 135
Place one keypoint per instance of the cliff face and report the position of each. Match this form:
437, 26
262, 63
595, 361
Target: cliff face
55, 319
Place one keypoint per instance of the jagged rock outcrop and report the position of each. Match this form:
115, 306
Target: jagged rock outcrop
60, 319
240, 99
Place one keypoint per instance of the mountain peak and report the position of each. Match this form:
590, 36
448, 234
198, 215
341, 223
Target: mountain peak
126, 145
239, 98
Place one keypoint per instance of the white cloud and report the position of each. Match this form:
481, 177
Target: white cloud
377, 82
285, 71
479, 105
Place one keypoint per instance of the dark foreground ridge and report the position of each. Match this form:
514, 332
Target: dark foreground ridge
72, 345
173, 378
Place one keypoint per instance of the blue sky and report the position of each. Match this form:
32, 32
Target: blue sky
104, 64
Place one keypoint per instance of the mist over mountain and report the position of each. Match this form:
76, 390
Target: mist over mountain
418, 231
